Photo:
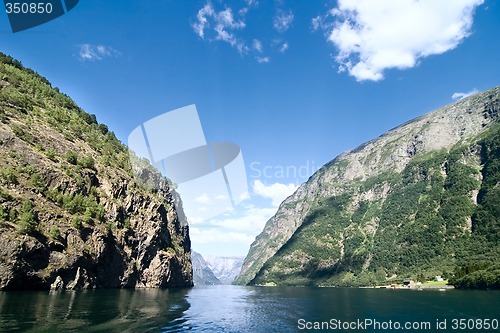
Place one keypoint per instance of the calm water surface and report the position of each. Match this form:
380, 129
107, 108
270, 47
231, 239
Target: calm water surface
243, 309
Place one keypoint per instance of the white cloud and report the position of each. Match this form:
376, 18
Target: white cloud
251, 220
202, 16
263, 60
317, 23
235, 230
232, 231
89, 52
373, 36
280, 45
244, 196
283, 20
461, 95
277, 192
217, 21
203, 236
257, 45
222, 23
203, 199
284, 47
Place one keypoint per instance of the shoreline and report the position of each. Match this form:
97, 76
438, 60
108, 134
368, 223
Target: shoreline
419, 287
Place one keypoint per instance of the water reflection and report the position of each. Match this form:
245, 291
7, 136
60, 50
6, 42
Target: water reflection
90, 311
232, 308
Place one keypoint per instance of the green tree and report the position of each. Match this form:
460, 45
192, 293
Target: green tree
72, 157
27, 219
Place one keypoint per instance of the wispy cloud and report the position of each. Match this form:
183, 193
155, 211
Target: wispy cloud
213, 235
226, 22
239, 227
89, 52
283, 20
259, 49
263, 60
372, 36
280, 45
277, 192
257, 45
202, 17
222, 24
461, 95
234, 230
284, 47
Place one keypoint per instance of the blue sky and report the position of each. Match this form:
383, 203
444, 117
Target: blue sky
293, 83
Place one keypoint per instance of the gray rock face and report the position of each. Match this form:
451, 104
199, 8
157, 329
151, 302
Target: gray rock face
392, 151
71, 214
153, 253
202, 274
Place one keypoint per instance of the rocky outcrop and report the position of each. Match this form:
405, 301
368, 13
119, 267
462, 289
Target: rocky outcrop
360, 179
71, 214
141, 256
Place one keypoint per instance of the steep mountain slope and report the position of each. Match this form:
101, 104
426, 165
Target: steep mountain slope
202, 274
71, 215
226, 269
415, 202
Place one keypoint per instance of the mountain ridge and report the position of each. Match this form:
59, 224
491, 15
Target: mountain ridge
226, 269
365, 171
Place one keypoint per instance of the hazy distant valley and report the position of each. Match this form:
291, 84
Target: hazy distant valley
213, 270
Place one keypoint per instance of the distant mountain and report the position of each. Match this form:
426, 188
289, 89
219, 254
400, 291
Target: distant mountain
202, 274
421, 200
226, 269
71, 214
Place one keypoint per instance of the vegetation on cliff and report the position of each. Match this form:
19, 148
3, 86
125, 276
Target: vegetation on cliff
436, 214
71, 215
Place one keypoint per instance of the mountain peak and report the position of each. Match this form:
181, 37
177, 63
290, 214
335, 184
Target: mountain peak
364, 181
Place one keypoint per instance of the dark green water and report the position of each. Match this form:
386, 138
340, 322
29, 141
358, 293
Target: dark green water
247, 309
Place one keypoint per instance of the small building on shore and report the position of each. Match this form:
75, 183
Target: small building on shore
408, 283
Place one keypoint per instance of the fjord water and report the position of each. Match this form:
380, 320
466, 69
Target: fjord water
239, 309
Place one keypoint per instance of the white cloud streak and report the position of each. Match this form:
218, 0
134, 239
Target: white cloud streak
462, 95
89, 52
372, 36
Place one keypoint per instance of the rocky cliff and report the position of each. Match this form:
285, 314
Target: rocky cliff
415, 201
202, 274
71, 215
